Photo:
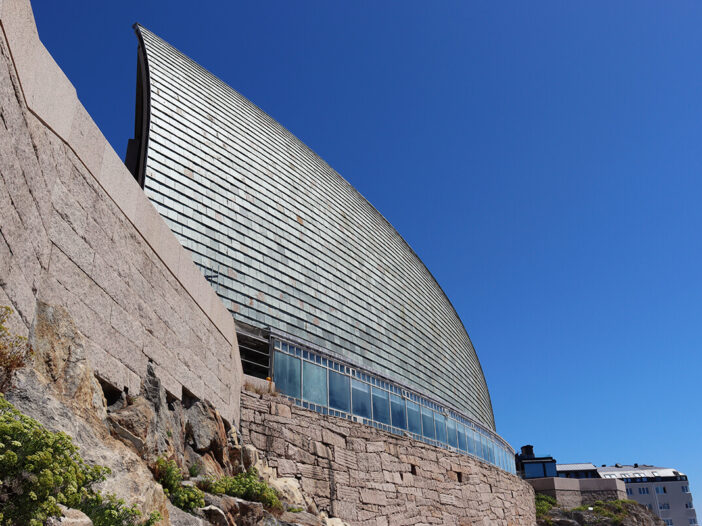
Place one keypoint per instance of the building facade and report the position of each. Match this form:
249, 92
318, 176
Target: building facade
329, 299
664, 491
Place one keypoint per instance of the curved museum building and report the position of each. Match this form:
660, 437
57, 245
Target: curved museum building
329, 300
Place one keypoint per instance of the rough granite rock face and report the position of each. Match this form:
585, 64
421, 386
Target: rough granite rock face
43, 393
636, 515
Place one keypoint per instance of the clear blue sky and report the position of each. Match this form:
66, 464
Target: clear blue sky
543, 159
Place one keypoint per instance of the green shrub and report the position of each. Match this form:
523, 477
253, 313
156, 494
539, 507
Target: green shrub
40, 469
543, 504
613, 509
246, 486
108, 510
188, 498
194, 469
169, 475
14, 351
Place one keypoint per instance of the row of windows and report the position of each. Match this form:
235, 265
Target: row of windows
334, 388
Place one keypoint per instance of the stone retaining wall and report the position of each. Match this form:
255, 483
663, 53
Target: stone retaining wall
571, 493
369, 477
77, 230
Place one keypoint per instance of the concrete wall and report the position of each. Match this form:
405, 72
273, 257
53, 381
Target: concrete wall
76, 230
571, 493
369, 477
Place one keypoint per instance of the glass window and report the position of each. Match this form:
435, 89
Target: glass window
414, 421
360, 394
440, 422
483, 442
287, 374
314, 383
551, 469
381, 406
451, 433
339, 392
533, 470
462, 444
428, 422
472, 446
397, 411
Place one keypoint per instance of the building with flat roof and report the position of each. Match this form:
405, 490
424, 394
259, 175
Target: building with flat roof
329, 300
664, 491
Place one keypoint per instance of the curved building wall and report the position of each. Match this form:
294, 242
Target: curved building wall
292, 245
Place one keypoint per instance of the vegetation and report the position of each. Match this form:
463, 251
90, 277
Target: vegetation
543, 503
246, 486
613, 509
194, 469
40, 469
169, 475
14, 351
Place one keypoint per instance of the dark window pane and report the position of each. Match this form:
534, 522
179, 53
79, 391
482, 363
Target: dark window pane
414, 421
462, 443
440, 421
314, 383
397, 410
533, 470
287, 374
428, 423
361, 398
451, 431
339, 392
381, 406
551, 470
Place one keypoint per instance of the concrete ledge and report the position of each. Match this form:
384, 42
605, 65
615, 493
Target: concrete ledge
52, 98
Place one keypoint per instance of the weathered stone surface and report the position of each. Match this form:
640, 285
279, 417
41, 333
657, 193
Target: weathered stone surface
368, 477
66, 242
623, 514
215, 515
70, 517
178, 517
130, 480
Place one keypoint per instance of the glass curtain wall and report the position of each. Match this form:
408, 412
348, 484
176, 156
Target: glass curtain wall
331, 387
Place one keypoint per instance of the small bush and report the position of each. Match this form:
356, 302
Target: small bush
543, 504
613, 509
108, 510
246, 486
169, 475
14, 351
194, 469
187, 498
40, 469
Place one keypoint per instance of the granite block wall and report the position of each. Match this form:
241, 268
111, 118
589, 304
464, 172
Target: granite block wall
571, 493
76, 230
369, 477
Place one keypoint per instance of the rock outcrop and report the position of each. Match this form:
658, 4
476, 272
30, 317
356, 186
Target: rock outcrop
59, 389
614, 513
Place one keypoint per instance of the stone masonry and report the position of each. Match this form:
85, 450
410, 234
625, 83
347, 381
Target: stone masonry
369, 477
77, 231
571, 493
